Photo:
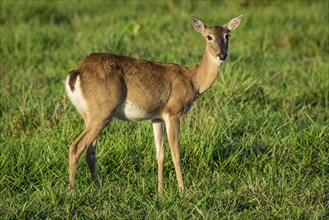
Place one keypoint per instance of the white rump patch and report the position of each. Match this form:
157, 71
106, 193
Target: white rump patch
76, 96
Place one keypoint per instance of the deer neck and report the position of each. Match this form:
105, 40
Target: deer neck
205, 72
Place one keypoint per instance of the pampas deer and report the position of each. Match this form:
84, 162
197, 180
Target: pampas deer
106, 85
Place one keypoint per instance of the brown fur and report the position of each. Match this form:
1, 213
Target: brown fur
170, 83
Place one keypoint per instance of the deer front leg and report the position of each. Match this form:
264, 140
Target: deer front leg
158, 131
172, 126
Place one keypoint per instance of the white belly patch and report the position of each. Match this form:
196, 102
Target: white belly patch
132, 112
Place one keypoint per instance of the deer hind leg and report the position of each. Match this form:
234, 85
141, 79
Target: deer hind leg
91, 161
87, 140
158, 131
96, 97
83, 142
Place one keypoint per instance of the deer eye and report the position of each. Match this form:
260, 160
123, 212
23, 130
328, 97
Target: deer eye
226, 36
210, 38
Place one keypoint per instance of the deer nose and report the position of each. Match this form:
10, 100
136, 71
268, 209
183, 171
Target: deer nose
222, 56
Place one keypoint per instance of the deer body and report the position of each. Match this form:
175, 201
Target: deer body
106, 85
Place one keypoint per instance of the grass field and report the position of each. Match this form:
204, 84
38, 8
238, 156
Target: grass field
255, 146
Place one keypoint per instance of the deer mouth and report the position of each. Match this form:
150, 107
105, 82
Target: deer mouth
219, 60
222, 56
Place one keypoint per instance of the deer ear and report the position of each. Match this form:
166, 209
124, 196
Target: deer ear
198, 24
234, 23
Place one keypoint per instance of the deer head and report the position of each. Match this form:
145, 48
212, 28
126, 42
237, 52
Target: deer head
217, 37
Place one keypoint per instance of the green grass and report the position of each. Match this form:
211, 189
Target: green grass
254, 146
